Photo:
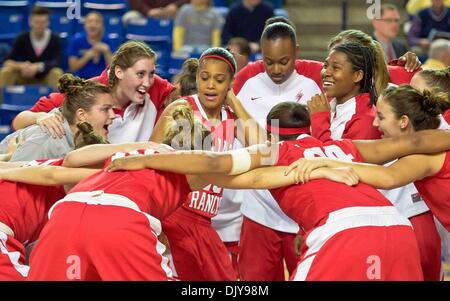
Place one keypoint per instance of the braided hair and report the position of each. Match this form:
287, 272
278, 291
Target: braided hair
362, 58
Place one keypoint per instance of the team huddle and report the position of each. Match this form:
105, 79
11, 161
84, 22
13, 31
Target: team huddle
331, 171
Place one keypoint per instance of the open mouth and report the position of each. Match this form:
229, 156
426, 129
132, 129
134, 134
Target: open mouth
277, 78
142, 91
210, 96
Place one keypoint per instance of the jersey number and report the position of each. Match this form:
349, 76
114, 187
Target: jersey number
329, 151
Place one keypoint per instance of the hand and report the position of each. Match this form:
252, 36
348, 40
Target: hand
424, 43
29, 70
231, 98
13, 143
319, 103
155, 12
345, 175
410, 60
303, 168
170, 11
52, 124
102, 47
127, 163
298, 240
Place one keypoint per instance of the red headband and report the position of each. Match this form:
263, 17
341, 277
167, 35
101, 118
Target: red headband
219, 58
287, 131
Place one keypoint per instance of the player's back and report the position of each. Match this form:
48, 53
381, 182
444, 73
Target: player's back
309, 204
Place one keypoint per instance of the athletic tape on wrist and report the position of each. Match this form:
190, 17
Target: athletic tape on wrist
241, 161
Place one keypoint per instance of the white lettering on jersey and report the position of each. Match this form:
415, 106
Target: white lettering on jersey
329, 151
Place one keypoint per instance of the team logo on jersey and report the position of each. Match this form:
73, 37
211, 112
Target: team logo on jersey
255, 98
299, 96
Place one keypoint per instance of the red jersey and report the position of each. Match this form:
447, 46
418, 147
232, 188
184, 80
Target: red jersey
350, 120
446, 116
157, 193
309, 204
435, 190
24, 207
206, 201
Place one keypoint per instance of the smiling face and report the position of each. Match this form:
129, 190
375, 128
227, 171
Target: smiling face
214, 80
279, 58
100, 115
339, 79
136, 80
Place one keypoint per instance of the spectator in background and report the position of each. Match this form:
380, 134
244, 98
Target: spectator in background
241, 51
439, 55
35, 57
436, 17
197, 27
90, 52
414, 6
247, 20
152, 8
386, 30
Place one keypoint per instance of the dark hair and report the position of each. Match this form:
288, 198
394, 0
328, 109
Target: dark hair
422, 108
279, 19
242, 43
222, 53
126, 56
40, 11
290, 115
279, 30
78, 94
196, 135
187, 78
437, 80
362, 58
87, 136
381, 70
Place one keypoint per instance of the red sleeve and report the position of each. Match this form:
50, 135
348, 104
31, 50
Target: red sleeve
247, 72
398, 74
320, 126
447, 116
46, 104
159, 91
310, 69
361, 128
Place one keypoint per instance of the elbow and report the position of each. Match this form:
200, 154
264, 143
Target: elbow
388, 182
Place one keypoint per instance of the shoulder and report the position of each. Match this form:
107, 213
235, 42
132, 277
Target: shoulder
248, 72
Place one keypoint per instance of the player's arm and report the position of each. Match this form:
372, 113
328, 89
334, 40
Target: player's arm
46, 175
273, 177
405, 170
97, 153
202, 162
388, 149
164, 120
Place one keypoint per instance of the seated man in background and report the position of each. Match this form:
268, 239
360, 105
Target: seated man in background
35, 57
439, 55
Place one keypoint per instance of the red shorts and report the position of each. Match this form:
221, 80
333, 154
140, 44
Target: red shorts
197, 251
262, 251
233, 253
429, 245
12, 259
361, 244
102, 240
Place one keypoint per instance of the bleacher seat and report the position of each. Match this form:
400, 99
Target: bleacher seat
220, 3
150, 30
13, 19
281, 12
17, 99
24, 95
111, 7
